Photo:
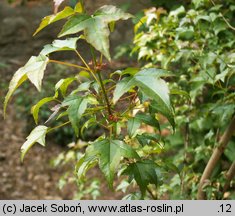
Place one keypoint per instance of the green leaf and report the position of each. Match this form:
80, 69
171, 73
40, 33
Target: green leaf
112, 26
110, 153
95, 27
33, 70
122, 87
78, 8
63, 85
77, 105
144, 173
140, 23
60, 45
180, 92
37, 135
130, 71
185, 33
36, 107
230, 151
18, 78
146, 138
90, 122
161, 108
82, 87
132, 125
148, 119
153, 72
149, 82
157, 90
68, 11
145, 79
178, 11
84, 164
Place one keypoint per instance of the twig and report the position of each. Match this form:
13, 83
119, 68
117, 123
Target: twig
59, 126
229, 176
104, 93
225, 20
215, 158
67, 64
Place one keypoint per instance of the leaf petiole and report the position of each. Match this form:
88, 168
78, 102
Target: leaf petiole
67, 64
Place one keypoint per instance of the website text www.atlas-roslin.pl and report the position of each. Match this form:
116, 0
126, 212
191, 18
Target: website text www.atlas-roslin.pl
136, 208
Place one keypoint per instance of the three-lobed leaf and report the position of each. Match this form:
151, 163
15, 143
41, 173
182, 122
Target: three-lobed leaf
37, 135
95, 27
143, 78
33, 70
144, 173
155, 88
109, 154
66, 12
150, 83
60, 45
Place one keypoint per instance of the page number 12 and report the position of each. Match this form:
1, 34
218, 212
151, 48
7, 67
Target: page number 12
225, 208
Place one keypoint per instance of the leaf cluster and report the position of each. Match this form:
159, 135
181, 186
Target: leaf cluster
196, 42
121, 102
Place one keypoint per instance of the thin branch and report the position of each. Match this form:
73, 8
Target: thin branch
59, 126
87, 66
104, 93
229, 176
218, 151
225, 20
129, 96
82, 59
67, 64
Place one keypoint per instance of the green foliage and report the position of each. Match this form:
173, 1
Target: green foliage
87, 188
133, 106
66, 12
196, 42
35, 109
109, 154
77, 105
48, 111
144, 172
60, 45
92, 97
95, 27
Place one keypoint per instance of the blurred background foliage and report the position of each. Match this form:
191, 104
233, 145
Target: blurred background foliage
195, 40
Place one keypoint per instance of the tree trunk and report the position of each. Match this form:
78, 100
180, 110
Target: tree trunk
218, 151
